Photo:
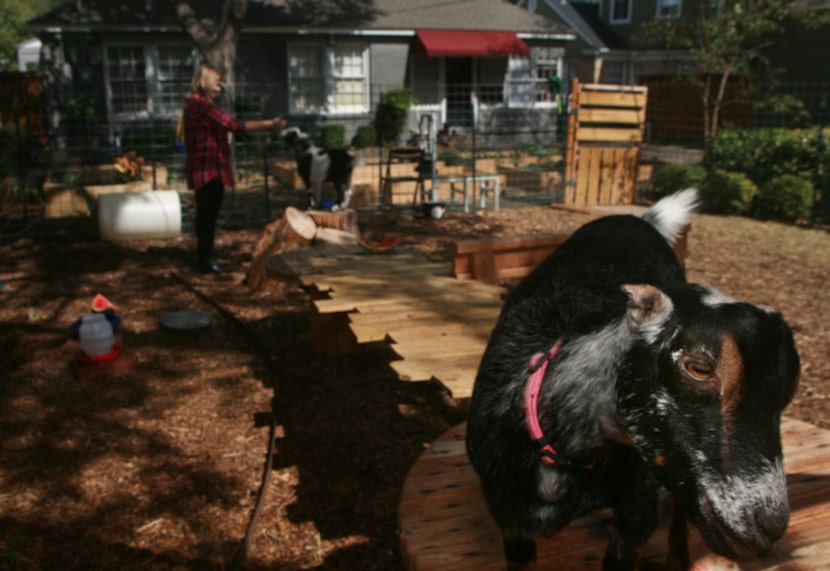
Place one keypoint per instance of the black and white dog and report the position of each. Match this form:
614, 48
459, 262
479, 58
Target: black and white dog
316, 166
608, 376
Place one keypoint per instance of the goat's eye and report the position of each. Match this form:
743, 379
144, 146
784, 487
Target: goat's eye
700, 370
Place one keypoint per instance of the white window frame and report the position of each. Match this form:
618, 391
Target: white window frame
328, 79
673, 10
153, 105
612, 16
530, 89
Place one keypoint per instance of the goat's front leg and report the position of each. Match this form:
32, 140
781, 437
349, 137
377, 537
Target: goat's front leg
635, 519
678, 559
519, 551
316, 192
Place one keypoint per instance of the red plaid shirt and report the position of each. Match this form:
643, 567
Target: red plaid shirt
206, 129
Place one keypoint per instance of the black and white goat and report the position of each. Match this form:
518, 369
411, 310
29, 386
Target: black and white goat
317, 166
608, 376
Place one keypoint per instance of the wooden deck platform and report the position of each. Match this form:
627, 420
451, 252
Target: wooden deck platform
437, 324
440, 325
445, 525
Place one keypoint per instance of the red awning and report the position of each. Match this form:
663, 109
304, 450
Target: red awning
436, 43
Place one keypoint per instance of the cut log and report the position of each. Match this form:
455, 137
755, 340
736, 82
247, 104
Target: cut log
345, 220
334, 236
295, 229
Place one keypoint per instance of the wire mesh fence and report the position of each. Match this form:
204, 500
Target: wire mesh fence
56, 160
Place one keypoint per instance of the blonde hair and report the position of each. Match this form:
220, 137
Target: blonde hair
204, 80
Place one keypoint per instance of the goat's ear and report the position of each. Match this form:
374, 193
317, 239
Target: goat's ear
648, 307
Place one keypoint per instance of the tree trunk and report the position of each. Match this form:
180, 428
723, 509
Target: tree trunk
217, 46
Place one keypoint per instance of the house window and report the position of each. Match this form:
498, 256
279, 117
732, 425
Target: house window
126, 71
331, 79
668, 8
305, 66
175, 72
148, 79
528, 77
349, 73
548, 63
620, 11
613, 72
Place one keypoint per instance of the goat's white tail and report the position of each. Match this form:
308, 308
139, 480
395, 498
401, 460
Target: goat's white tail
673, 213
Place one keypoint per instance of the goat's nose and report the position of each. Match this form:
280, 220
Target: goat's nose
773, 522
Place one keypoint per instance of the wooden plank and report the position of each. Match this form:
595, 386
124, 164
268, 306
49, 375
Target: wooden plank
607, 172
636, 100
583, 168
512, 243
406, 313
454, 290
609, 135
433, 329
445, 369
632, 117
595, 175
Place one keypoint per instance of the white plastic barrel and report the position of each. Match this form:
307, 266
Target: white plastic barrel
95, 334
131, 215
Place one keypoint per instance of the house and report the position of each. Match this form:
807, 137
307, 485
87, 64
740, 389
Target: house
313, 62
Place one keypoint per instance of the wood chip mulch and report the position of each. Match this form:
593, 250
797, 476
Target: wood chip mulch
159, 466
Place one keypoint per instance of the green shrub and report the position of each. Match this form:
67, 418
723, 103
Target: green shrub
392, 113
726, 192
786, 197
333, 136
669, 178
453, 157
364, 137
763, 154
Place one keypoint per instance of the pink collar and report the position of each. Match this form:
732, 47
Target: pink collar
538, 368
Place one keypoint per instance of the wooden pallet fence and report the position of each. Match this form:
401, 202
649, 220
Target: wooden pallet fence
605, 134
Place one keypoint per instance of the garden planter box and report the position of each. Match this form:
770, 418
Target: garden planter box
530, 180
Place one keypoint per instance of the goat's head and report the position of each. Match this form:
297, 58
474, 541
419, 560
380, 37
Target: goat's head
701, 396
293, 135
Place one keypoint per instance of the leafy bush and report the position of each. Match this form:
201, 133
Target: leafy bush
763, 154
453, 157
727, 192
364, 137
786, 197
669, 178
334, 136
392, 113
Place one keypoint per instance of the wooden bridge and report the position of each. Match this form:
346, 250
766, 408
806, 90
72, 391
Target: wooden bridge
439, 326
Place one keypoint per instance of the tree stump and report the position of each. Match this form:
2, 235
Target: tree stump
295, 229
345, 220
298, 229
334, 236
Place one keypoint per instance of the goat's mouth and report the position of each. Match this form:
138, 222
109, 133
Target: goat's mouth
751, 542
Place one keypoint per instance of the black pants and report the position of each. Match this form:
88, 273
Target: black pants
208, 203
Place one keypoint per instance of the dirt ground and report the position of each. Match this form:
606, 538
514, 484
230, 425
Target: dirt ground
159, 466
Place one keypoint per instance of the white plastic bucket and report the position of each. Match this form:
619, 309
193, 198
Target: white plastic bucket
131, 215
96, 335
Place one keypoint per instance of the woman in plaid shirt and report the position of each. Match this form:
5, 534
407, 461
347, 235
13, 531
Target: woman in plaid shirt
208, 167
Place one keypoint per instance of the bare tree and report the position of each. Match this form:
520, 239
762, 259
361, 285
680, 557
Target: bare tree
729, 38
216, 42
